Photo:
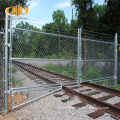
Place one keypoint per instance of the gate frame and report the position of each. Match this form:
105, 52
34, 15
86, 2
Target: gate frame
6, 63
115, 64
8, 45
80, 60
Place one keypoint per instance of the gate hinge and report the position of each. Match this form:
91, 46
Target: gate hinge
7, 92
7, 44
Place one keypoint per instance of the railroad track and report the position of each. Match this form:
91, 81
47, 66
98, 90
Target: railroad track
89, 93
47, 76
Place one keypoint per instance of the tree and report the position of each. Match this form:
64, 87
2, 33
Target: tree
59, 22
7, 3
26, 44
111, 18
58, 26
85, 13
99, 13
59, 17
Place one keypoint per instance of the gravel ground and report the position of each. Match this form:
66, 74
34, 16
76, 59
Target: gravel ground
52, 108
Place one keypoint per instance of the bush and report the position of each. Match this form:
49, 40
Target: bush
63, 70
91, 73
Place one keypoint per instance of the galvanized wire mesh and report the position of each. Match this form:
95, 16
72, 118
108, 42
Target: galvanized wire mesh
118, 72
98, 57
58, 53
1, 75
53, 52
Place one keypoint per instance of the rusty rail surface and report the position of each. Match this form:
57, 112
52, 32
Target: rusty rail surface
114, 110
102, 88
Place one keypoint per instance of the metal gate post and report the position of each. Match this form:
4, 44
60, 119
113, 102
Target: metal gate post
6, 63
79, 56
10, 57
115, 64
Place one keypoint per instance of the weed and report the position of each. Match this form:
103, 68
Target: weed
16, 82
63, 70
14, 70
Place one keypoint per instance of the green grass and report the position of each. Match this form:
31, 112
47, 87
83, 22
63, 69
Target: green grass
106, 82
16, 82
14, 70
117, 87
69, 71
91, 73
36, 66
63, 70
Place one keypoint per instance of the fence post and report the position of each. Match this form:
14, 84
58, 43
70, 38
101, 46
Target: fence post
79, 56
10, 57
115, 64
6, 63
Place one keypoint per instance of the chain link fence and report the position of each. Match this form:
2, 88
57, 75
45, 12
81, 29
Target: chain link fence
98, 58
51, 52
54, 52
118, 72
85, 57
1, 74
59, 53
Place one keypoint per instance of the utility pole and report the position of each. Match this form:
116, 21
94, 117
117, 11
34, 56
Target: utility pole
72, 14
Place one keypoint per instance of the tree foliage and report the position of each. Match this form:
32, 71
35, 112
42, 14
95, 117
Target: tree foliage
101, 18
59, 17
85, 13
7, 3
111, 18
59, 24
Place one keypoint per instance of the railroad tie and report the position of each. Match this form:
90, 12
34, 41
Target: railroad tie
82, 104
68, 99
85, 90
39, 82
93, 92
59, 95
117, 104
105, 97
96, 114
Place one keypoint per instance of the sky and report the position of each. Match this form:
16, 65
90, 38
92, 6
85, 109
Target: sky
40, 11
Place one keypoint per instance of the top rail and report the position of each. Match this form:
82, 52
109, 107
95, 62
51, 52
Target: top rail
45, 33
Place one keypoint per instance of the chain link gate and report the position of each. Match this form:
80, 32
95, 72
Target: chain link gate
55, 53
97, 58
86, 58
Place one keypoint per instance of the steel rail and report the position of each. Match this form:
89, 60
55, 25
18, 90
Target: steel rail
102, 88
63, 76
43, 78
109, 108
